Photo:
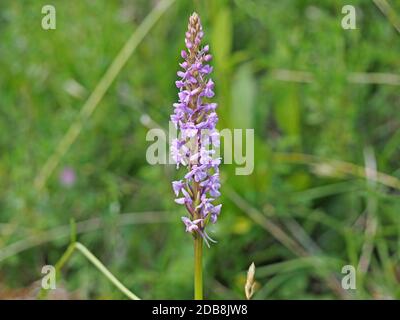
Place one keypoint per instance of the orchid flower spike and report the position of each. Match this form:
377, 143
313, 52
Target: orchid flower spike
195, 118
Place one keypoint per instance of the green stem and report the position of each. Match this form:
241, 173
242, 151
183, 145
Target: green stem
58, 266
198, 268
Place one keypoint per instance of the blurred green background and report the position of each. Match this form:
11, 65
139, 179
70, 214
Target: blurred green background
324, 103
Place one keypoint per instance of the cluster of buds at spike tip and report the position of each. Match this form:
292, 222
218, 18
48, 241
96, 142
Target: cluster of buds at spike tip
195, 118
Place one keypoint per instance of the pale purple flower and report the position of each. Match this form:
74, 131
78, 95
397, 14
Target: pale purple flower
191, 225
67, 177
177, 186
195, 118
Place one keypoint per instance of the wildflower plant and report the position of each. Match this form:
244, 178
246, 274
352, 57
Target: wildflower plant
195, 118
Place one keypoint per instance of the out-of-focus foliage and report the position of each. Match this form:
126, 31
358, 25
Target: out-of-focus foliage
328, 209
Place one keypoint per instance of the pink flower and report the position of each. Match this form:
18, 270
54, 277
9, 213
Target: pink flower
67, 177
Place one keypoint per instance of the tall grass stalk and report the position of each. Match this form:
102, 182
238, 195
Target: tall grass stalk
96, 262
